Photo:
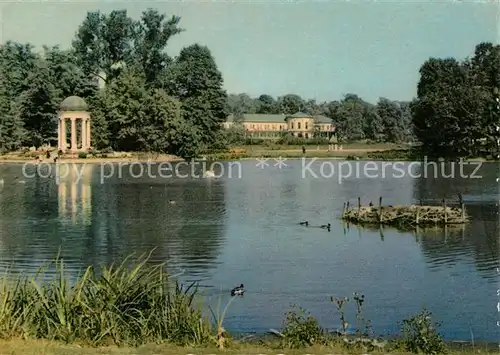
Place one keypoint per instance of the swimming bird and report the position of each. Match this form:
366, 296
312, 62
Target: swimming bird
326, 226
305, 223
237, 291
172, 202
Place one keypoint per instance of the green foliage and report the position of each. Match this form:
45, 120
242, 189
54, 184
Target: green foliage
339, 303
116, 304
38, 106
124, 102
150, 103
455, 113
396, 154
420, 334
291, 140
154, 103
233, 136
300, 329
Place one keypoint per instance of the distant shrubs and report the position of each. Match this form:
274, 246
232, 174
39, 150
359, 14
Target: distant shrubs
396, 154
291, 140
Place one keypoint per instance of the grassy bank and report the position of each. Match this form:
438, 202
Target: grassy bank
137, 307
43, 347
352, 151
95, 158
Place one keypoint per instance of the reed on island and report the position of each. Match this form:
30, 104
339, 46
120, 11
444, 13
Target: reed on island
406, 215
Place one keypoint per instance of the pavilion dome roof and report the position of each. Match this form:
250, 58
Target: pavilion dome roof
73, 103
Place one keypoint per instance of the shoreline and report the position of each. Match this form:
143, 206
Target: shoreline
119, 160
349, 152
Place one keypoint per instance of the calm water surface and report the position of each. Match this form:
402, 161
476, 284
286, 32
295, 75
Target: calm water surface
227, 231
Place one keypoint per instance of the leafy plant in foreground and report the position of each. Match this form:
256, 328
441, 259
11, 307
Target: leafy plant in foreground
120, 304
300, 330
364, 327
339, 302
420, 334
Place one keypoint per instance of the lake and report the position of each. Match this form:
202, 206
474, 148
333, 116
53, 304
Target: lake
242, 227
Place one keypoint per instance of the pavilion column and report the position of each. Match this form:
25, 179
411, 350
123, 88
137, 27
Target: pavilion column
73, 134
84, 134
59, 134
88, 133
63, 134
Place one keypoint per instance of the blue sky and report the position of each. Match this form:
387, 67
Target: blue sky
317, 49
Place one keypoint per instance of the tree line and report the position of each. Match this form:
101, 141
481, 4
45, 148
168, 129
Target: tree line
456, 112
355, 119
157, 103
150, 102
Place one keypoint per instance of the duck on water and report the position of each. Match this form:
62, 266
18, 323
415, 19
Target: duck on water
238, 291
324, 226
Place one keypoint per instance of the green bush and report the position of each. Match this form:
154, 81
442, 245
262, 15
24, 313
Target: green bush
300, 329
82, 155
288, 139
254, 141
420, 334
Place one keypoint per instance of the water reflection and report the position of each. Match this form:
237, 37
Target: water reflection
75, 196
97, 223
479, 238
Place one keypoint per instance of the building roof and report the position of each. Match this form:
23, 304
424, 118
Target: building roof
260, 118
74, 103
299, 115
263, 118
322, 119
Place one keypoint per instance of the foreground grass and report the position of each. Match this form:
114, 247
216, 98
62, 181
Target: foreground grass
132, 303
43, 347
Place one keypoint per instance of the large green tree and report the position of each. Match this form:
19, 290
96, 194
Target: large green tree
349, 116
195, 80
38, 105
267, 105
455, 113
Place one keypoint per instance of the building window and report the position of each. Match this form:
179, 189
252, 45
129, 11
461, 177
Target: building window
253, 126
307, 135
307, 126
298, 125
292, 125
